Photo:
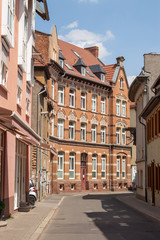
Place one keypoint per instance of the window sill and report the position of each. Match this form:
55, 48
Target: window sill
27, 115
4, 88
19, 106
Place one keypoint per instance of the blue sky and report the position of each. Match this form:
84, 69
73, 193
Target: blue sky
126, 28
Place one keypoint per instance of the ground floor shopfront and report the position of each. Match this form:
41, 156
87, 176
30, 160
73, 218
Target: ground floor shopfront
16, 138
91, 167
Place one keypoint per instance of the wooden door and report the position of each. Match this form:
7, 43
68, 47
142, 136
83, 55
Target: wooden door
153, 182
83, 178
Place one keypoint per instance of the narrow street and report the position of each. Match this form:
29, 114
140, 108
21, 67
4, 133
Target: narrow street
99, 217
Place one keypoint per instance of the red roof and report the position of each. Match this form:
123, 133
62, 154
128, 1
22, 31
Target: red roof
71, 58
110, 69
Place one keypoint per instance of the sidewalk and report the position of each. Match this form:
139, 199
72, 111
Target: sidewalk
141, 206
29, 226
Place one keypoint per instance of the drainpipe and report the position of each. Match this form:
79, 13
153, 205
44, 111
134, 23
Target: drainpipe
38, 97
147, 93
110, 140
40, 187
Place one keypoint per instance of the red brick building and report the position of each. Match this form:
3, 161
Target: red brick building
87, 125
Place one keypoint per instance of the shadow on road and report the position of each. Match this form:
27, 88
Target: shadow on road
118, 221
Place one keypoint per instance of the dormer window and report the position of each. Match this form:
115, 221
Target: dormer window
61, 63
83, 71
61, 59
80, 66
98, 71
102, 77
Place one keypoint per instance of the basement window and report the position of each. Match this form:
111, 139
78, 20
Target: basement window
73, 186
61, 187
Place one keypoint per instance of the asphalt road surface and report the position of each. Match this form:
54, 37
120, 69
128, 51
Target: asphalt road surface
99, 217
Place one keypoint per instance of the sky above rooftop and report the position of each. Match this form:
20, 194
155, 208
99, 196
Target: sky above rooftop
128, 28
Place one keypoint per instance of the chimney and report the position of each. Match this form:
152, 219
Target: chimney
120, 61
94, 50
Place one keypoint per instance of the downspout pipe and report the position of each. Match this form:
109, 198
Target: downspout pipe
147, 93
110, 186
38, 97
146, 198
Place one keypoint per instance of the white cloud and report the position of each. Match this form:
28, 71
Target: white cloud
130, 79
109, 35
94, 1
72, 25
83, 38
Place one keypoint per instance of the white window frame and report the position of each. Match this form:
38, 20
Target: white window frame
94, 103
71, 165
94, 133
83, 131
60, 129
60, 167
123, 167
83, 100
123, 136
118, 107
27, 100
52, 89
121, 83
61, 63
103, 134
72, 98
4, 74
102, 77
83, 71
123, 108
118, 167
103, 105
94, 167
60, 95
4, 68
19, 88
71, 130
8, 16
103, 167
118, 135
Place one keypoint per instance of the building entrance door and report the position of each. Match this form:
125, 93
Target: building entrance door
83, 171
1, 163
153, 182
20, 174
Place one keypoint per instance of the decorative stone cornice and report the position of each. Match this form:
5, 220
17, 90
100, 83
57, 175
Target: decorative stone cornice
84, 118
94, 120
72, 117
103, 122
61, 115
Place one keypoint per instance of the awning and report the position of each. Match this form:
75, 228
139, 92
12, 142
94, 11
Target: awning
10, 121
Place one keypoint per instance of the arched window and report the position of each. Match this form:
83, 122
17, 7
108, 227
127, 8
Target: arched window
121, 83
60, 169
103, 167
94, 166
72, 165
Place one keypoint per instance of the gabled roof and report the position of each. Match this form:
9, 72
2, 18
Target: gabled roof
97, 69
110, 71
80, 63
82, 57
138, 81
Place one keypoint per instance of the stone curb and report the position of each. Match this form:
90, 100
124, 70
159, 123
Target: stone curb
42, 226
139, 209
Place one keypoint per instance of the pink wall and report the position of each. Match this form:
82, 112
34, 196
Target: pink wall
8, 99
